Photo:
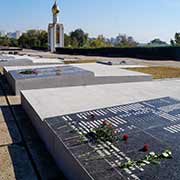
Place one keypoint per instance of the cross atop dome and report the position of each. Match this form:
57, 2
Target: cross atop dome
55, 12
55, 8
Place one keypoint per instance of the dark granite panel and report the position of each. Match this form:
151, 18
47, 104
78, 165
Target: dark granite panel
153, 122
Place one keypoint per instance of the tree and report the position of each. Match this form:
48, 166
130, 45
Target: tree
34, 39
43, 36
177, 39
125, 41
24, 41
67, 40
5, 41
99, 42
13, 42
78, 38
172, 42
157, 41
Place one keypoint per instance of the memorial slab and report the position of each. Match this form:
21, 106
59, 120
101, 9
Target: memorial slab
63, 117
117, 62
15, 60
12, 61
47, 76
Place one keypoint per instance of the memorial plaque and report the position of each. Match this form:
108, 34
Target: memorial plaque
149, 126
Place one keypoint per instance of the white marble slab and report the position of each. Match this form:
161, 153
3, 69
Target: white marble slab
59, 101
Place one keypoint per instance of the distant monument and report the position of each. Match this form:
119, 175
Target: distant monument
55, 31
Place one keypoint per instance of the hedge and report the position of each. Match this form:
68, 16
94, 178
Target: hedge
151, 53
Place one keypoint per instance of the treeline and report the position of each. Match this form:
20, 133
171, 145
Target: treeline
32, 39
38, 39
80, 39
10, 42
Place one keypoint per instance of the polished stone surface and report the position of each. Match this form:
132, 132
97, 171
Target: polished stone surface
148, 122
48, 72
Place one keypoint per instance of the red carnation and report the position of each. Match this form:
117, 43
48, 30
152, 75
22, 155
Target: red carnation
125, 137
105, 122
110, 125
146, 148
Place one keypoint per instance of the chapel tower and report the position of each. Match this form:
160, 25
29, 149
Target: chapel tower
55, 30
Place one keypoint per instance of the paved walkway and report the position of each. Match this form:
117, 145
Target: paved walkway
23, 156
36, 53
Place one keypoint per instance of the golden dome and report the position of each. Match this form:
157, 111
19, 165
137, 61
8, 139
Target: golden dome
55, 9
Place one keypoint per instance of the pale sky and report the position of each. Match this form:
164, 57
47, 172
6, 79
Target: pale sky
142, 19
